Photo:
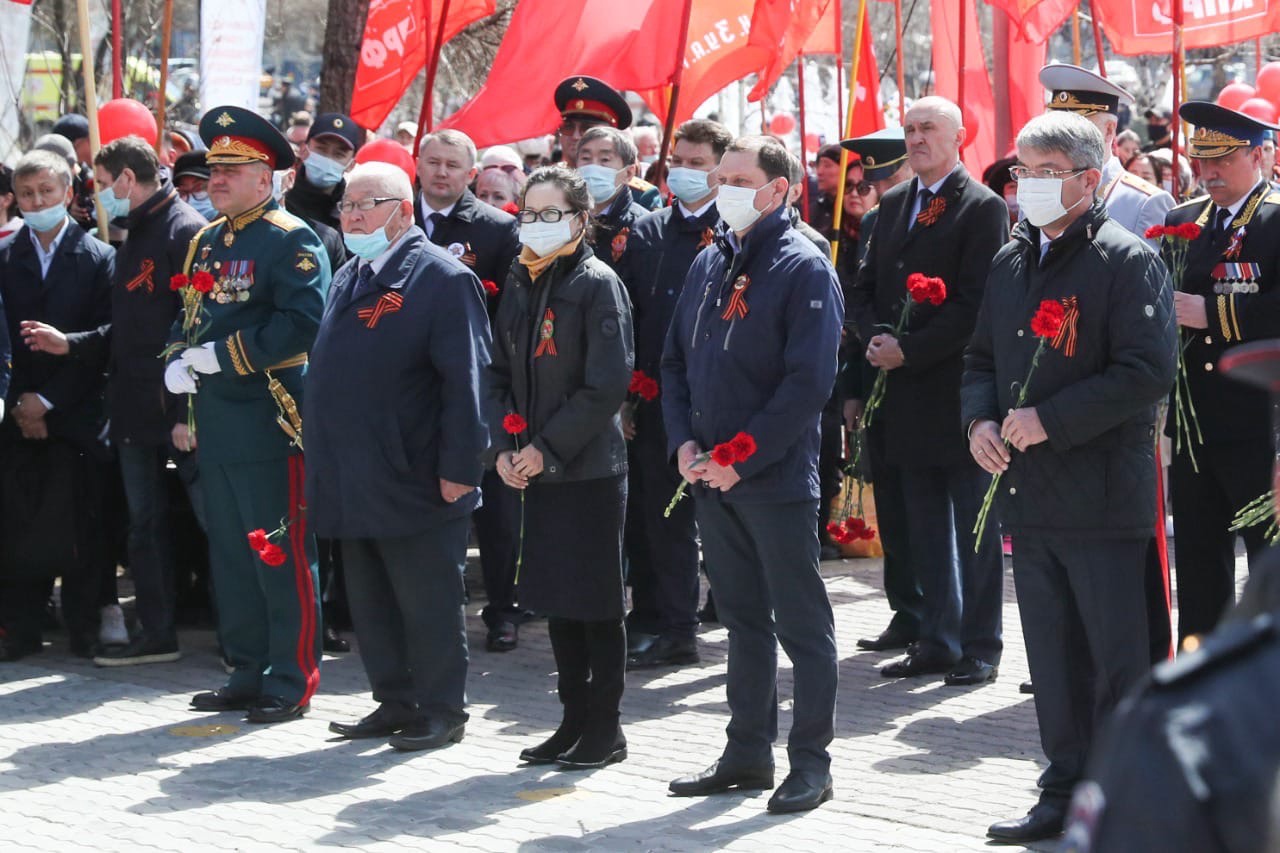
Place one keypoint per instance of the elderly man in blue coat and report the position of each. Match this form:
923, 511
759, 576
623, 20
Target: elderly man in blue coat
394, 436
752, 348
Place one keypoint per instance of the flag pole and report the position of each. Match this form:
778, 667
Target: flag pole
117, 45
426, 115
902, 61
166, 41
669, 126
1097, 39
1175, 123
839, 60
1075, 36
838, 218
91, 102
964, 47
804, 153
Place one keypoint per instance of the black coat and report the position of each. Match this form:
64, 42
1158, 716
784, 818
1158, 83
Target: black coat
480, 235
922, 398
611, 230
319, 208
1230, 411
75, 296
570, 398
393, 408
1095, 476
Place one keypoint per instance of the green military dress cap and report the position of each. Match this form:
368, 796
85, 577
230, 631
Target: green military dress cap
1081, 91
235, 135
882, 152
580, 95
1219, 131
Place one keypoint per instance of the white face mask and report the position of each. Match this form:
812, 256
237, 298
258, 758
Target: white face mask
737, 206
602, 182
1040, 200
543, 238
1167, 185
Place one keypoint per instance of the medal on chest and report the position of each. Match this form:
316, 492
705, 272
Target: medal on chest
234, 278
1231, 278
546, 335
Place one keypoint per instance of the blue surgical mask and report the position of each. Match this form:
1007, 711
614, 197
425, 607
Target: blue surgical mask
47, 219
322, 171
200, 201
368, 246
688, 185
116, 207
602, 182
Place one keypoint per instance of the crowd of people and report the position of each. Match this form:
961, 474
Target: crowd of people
359, 356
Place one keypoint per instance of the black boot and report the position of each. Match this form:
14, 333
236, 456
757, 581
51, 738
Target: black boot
602, 741
569, 645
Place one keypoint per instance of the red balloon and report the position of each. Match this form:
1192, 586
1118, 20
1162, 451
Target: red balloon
971, 129
1268, 84
782, 124
1235, 94
812, 141
1259, 108
387, 151
126, 117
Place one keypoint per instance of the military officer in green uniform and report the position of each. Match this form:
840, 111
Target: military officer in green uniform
244, 372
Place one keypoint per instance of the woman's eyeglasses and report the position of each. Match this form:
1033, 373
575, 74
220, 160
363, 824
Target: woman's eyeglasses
550, 215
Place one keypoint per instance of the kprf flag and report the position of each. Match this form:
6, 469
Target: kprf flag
1036, 20
782, 27
1147, 27
399, 38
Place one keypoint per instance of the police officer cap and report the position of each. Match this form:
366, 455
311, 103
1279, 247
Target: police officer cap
1081, 91
580, 95
192, 164
340, 126
882, 152
73, 126
1219, 131
235, 135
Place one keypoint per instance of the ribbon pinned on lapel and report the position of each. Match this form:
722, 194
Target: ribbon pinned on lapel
547, 335
932, 212
1065, 340
388, 303
143, 277
737, 308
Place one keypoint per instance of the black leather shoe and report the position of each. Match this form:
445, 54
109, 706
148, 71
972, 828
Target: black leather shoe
223, 699
587, 755
890, 638
971, 671
667, 651
1027, 687
1045, 820
639, 642
273, 709
801, 791
333, 642
386, 720
427, 734
502, 637
916, 662
721, 777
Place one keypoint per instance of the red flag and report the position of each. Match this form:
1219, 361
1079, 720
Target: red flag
399, 37
628, 45
979, 106
1148, 27
718, 52
1026, 95
781, 27
1036, 20
868, 114
825, 38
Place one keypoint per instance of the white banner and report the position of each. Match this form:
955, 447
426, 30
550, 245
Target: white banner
231, 33
15, 27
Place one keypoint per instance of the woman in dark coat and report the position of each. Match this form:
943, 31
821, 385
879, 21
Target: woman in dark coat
562, 360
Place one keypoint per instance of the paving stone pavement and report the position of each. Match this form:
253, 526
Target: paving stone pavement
113, 759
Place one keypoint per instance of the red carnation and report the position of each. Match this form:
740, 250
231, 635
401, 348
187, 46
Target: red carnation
258, 539
202, 282
178, 282
1048, 318
937, 291
1155, 232
490, 286
272, 555
744, 445
923, 288
834, 529
1188, 231
724, 455
510, 207
637, 377
648, 389
514, 424
857, 528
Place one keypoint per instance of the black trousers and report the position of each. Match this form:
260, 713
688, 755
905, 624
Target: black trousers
963, 590
664, 582
763, 564
497, 530
1084, 626
1230, 476
901, 586
406, 599
829, 452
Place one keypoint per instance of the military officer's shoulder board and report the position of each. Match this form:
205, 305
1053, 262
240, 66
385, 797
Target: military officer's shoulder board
1143, 186
1272, 198
1198, 200
283, 219
640, 184
1219, 649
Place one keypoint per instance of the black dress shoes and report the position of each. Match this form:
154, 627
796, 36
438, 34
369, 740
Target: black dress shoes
667, 651
971, 671
333, 642
720, 777
502, 637
1045, 820
639, 642
1027, 687
386, 720
917, 662
273, 709
223, 699
427, 734
890, 638
801, 791
594, 750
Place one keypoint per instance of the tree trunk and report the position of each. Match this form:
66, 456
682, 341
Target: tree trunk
343, 35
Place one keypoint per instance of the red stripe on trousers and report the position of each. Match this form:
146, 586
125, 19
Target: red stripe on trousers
1162, 545
302, 577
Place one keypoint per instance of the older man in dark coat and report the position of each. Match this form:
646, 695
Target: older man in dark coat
1075, 456
394, 439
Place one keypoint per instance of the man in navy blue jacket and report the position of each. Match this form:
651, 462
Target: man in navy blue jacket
394, 437
752, 348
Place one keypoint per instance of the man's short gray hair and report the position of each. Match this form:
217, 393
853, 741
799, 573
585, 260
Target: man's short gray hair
619, 139
390, 181
452, 138
35, 162
1066, 133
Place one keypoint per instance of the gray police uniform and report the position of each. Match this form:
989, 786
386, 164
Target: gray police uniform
1132, 202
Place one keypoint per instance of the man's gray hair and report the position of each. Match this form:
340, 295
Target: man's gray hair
452, 138
390, 181
619, 139
35, 162
1067, 133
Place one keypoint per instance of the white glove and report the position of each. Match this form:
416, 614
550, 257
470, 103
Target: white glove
1, 410
202, 359
178, 378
